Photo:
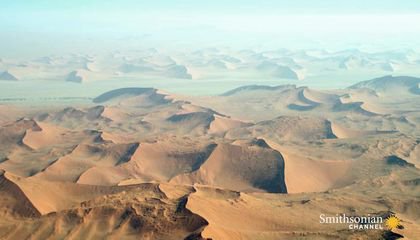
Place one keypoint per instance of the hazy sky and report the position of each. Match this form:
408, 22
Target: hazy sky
37, 26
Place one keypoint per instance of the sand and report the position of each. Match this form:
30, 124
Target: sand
257, 162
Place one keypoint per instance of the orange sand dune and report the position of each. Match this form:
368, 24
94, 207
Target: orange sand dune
222, 124
246, 168
159, 161
303, 174
46, 136
85, 156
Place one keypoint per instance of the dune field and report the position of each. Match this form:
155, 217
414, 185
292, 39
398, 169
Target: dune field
255, 162
210, 120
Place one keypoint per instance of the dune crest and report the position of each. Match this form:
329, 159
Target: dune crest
14, 201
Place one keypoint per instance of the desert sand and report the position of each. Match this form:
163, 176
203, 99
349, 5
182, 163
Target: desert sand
210, 120
256, 162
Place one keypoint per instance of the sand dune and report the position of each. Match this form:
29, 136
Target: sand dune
160, 60
270, 216
319, 97
287, 128
13, 200
178, 71
222, 124
45, 135
368, 103
123, 92
133, 97
71, 117
305, 174
217, 64
85, 156
48, 197
353, 107
390, 84
199, 211
115, 138
6, 76
276, 70
303, 102
115, 114
195, 121
229, 166
158, 162
342, 132
379, 124
130, 68
222, 209
245, 89
264, 103
70, 113
77, 211
163, 160
14, 133
76, 76
27, 149
354, 62
282, 97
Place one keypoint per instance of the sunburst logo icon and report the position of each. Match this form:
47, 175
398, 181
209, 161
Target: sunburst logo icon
392, 222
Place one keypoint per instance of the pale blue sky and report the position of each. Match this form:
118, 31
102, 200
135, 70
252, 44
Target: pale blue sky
53, 24
297, 6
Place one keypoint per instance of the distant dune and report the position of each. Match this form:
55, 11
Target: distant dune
150, 96
278, 71
130, 68
216, 64
256, 88
178, 71
6, 76
391, 84
76, 76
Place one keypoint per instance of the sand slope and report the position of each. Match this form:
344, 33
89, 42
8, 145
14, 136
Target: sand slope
287, 128
77, 211
240, 167
13, 200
